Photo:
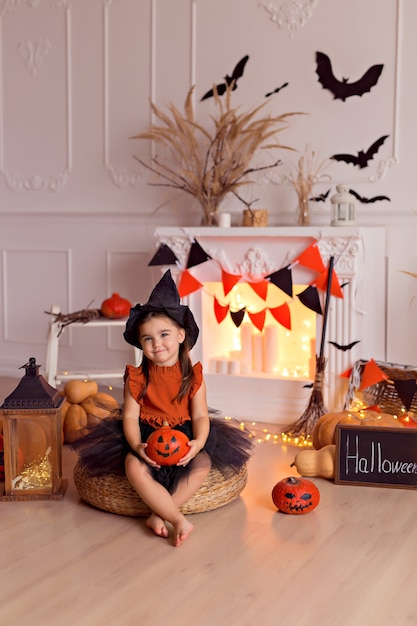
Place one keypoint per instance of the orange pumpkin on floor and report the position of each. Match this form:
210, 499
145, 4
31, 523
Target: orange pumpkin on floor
295, 496
166, 446
324, 431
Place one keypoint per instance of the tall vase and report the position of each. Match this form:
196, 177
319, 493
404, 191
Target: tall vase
303, 212
210, 207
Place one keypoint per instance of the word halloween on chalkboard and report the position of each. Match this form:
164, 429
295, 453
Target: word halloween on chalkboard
385, 457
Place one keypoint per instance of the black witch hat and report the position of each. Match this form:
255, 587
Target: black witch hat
163, 299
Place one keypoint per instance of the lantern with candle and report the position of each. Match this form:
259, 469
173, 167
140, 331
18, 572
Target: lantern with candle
31, 417
343, 207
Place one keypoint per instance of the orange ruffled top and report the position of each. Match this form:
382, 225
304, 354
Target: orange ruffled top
159, 403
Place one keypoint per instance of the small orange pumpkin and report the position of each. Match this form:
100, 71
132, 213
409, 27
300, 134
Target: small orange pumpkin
295, 496
115, 307
166, 445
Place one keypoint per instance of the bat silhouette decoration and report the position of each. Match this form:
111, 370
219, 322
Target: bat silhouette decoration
278, 89
322, 197
349, 346
229, 80
368, 200
361, 159
342, 89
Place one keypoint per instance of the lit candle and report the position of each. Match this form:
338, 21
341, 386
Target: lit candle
222, 365
257, 352
246, 332
233, 367
270, 349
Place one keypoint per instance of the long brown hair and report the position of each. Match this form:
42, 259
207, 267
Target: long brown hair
183, 358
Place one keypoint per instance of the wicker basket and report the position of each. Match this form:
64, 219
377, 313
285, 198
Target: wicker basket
116, 495
383, 393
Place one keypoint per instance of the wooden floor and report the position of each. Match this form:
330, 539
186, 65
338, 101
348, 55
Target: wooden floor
351, 562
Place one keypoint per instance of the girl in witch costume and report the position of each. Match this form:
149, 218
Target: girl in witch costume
166, 387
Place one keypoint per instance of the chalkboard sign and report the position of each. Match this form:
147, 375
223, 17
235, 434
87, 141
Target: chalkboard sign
376, 457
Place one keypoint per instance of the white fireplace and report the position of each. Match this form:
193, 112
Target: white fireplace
266, 376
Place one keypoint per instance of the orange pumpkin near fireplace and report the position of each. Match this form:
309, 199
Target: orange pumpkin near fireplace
324, 431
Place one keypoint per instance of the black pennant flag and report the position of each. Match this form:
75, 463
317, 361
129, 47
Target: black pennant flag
282, 279
237, 316
197, 255
163, 256
406, 390
310, 298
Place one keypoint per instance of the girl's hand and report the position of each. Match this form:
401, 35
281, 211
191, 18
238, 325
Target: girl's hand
195, 448
140, 450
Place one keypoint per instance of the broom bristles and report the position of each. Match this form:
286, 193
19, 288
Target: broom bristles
315, 409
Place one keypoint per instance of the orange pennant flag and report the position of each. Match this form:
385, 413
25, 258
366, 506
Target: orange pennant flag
188, 284
229, 281
346, 373
371, 375
220, 311
260, 288
282, 315
321, 283
258, 319
312, 258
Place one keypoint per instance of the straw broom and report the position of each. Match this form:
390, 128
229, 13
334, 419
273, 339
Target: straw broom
303, 427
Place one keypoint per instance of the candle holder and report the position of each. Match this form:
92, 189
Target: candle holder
343, 207
32, 440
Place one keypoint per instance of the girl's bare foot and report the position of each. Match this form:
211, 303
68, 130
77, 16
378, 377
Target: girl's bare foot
157, 524
181, 531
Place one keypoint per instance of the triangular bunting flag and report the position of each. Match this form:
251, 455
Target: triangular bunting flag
258, 319
310, 298
229, 281
321, 283
220, 311
197, 255
406, 390
282, 315
188, 284
163, 256
346, 373
237, 316
260, 288
312, 258
371, 375
282, 279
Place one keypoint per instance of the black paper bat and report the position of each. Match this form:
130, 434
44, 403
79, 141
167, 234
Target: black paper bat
229, 80
361, 159
349, 346
343, 89
321, 197
368, 200
271, 93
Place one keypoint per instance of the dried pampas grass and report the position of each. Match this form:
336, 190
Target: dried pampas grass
208, 164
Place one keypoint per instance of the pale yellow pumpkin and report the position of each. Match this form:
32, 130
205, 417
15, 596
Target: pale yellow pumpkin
76, 391
319, 463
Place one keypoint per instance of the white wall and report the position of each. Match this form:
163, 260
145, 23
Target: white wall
76, 213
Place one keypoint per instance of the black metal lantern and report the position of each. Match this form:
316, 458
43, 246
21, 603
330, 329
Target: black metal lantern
32, 440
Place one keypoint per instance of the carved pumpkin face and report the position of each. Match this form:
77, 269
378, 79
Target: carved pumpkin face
166, 446
295, 496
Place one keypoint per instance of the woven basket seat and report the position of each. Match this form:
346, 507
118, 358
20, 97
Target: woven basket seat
116, 495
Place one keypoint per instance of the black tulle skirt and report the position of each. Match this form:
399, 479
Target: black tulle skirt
104, 449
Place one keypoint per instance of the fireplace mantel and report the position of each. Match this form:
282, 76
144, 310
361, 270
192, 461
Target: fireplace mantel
359, 254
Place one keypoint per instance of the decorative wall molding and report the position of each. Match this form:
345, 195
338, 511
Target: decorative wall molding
32, 54
119, 175
291, 15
